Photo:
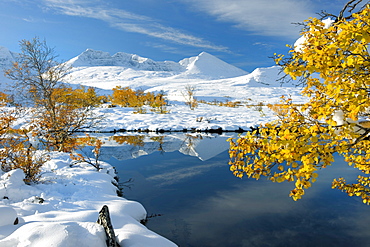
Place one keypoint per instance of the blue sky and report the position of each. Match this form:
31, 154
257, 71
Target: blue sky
244, 33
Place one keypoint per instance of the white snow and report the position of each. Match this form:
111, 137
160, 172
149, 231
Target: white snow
63, 208
328, 22
8, 215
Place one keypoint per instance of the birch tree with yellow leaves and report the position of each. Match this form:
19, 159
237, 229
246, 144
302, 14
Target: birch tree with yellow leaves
331, 62
58, 110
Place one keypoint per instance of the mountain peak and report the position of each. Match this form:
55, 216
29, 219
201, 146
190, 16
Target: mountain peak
203, 53
206, 54
6, 57
209, 66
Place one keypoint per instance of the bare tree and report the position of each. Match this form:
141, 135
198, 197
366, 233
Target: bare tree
189, 96
36, 72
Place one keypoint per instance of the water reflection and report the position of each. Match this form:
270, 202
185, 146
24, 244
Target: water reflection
203, 204
123, 147
137, 140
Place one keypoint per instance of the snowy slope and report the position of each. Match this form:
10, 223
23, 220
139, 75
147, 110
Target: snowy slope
268, 77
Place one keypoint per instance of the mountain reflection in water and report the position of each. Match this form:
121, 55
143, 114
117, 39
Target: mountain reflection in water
186, 179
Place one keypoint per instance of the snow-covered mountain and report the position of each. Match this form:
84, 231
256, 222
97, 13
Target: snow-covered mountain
205, 72
204, 65
102, 70
6, 59
100, 58
208, 66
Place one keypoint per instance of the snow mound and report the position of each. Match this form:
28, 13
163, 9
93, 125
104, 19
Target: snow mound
8, 215
65, 234
211, 67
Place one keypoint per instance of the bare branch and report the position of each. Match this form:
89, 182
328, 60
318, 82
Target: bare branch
349, 7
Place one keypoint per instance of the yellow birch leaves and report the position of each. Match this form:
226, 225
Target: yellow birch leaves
333, 66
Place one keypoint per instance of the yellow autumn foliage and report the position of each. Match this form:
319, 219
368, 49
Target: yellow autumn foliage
127, 97
17, 151
333, 68
67, 111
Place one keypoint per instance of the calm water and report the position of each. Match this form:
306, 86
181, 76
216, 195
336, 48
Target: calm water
202, 204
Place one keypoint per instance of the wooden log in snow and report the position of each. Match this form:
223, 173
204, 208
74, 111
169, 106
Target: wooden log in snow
105, 221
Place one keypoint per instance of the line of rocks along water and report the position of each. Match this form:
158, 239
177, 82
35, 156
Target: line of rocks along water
162, 131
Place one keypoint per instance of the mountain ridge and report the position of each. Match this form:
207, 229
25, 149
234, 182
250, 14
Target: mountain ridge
95, 58
203, 65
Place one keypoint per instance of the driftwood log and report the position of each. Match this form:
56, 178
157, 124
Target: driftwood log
105, 221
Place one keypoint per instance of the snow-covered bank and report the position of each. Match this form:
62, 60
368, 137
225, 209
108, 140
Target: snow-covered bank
63, 209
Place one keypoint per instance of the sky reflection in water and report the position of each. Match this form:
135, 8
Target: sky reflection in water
203, 204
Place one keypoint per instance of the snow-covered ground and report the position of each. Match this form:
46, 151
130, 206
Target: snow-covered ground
63, 208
